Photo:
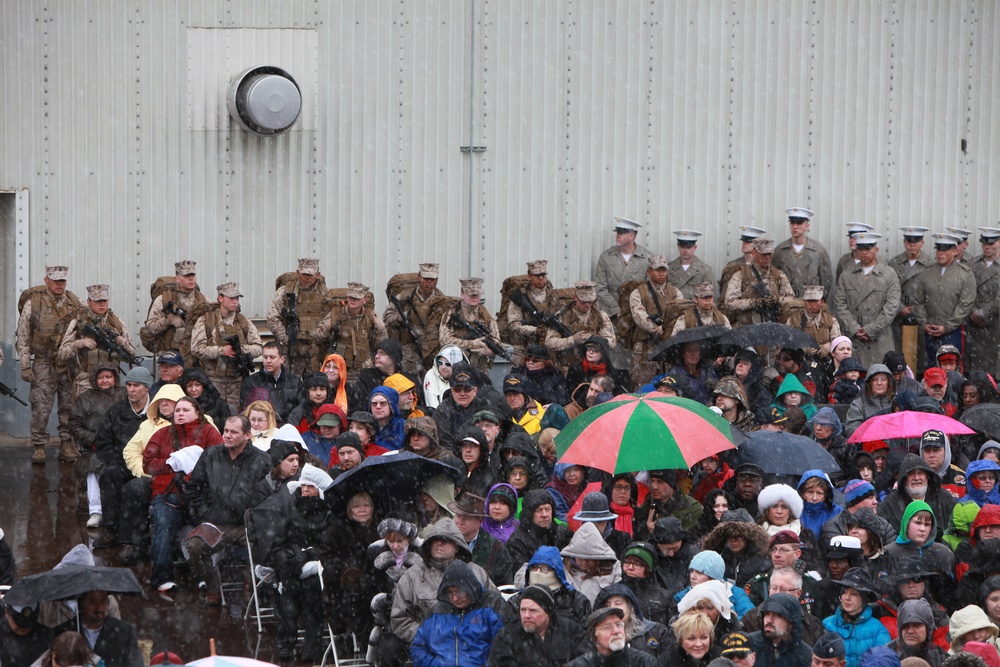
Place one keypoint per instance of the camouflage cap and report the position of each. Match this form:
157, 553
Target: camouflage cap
309, 266
56, 272
728, 386
538, 266
185, 267
357, 290
702, 290
812, 292
472, 286
98, 292
231, 290
586, 290
428, 270
658, 262
764, 246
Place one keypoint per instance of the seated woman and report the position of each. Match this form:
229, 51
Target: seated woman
853, 619
971, 624
742, 544
322, 433
501, 507
696, 370
793, 394
432, 502
709, 566
286, 463
638, 574
335, 369
712, 599
567, 483
317, 391
866, 527
780, 507
263, 423
816, 492
69, 648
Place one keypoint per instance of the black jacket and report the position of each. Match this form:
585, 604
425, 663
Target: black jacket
117, 643
116, 428
513, 647
284, 391
674, 655
450, 417
628, 657
491, 554
656, 603
211, 401
220, 490
547, 385
792, 652
90, 407
943, 503
524, 542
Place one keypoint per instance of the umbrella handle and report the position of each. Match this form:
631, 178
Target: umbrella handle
211, 646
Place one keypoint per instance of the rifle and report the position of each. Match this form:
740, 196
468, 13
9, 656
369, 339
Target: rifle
7, 391
769, 311
480, 331
174, 309
290, 317
524, 303
105, 338
394, 300
243, 362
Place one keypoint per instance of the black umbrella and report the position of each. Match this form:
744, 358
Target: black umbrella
780, 453
708, 335
392, 479
984, 418
771, 334
71, 581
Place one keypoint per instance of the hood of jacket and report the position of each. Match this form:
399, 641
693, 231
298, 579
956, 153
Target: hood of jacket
915, 611
521, 443
989, 444
534, 499
445, 529
989, 515
548, 556
623, 591
105, 366
756, 537
967, 619
977, 495
331, 409
210, 393
829, 416
513, 491
171, 392
605, 349
911, 509
789, 608
588, 543
792, 383
754, 374
390, 395
985, 557
879, 656
476, 434
822, 477
874, 370
913, 462
460, 575
946, 463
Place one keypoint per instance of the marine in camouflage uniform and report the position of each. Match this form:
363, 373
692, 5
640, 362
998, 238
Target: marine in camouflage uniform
583, 320
38, 338
209, 346
811, 265
746, 302
816, 320
79, 348
982, 329
423, 305
648, 304
309, 294
471, 310
747, 236
171, 331
522, 331
353, 328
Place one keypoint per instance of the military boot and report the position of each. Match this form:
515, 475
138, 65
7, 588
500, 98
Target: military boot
68, 451
39, 455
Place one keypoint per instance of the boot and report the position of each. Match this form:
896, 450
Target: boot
108, 538
68, 451
39, 455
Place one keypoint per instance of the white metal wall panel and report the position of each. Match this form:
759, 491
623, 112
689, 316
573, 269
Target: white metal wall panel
680, 113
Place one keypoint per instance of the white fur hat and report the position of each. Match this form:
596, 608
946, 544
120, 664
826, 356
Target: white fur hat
770, 495
312, 476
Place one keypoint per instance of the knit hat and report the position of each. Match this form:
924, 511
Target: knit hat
311, 476
668, 476
667, 530
399, 525
349, 439
281, 450
838, 341
505, 494
139, 375
366, 418
541, 596
316, 379
643, 551
710, 564
830, 645
856, 491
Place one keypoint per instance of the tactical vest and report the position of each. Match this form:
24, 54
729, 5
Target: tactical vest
771, 280
87, 360
575, 322
549, 306
691, 318
425, 316
178, 339
216, 331
820, 328
311, 307
49, 317
651, 310
356, 337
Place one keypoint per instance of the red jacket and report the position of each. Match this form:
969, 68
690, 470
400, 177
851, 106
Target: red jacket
161, 446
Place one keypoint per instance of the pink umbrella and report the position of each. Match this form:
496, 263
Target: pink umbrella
907, 424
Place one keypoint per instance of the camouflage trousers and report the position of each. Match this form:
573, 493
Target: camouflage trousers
643, 370
47, 386
230, 390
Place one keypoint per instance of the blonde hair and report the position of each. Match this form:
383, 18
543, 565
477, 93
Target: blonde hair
814, 482
356, 500
691, 622
267, 409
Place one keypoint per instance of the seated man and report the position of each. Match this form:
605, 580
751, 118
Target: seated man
606, 627
538, 528
114, 640
220, 490
488, 552
540, 636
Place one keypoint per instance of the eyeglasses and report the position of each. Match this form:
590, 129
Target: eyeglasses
784, 550
622, 487
380, 404
442, 362
540, 275
460, 389
541, 569
258, 420
779, 589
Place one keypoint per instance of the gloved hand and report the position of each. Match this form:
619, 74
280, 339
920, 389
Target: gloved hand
85, 343
309, 569
28, 375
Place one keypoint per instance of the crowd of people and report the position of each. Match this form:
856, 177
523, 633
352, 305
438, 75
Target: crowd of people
510, 556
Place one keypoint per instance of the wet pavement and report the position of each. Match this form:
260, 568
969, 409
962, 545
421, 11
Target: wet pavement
43, 517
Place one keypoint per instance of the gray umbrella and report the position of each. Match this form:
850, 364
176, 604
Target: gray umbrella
69, 582
780, 453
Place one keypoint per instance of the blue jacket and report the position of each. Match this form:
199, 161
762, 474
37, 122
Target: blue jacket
814, 515
741, 601
318, 446
974, 494
865, 633
390, 436
450, 637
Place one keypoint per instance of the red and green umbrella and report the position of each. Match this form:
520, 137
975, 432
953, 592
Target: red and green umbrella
649, 432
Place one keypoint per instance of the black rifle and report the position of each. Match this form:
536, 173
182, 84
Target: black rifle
105, 338
174, 309
394, 300
290, 316
521, 300
768, 310
479, 330
7, 391
243, 362
658, 318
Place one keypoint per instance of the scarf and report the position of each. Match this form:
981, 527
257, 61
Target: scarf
599, 369
624, 520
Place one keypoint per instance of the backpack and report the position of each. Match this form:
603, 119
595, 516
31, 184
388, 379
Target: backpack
625, 328
401, 282
159, 287
34, 295
290, 276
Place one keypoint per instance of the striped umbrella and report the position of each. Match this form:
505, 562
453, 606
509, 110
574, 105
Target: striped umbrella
648, 432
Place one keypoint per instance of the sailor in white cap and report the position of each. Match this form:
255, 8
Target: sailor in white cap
963, 245
300, 295
908, 265
803, 260
944, 296
850, 258
624, 261
687, 270
747, 236
982, 329
866, 301
422, 304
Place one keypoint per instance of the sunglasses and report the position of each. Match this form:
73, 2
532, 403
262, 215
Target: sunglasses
461, 389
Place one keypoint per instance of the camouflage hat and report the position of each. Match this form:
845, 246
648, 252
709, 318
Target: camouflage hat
231, 290
56, 272
538, 267
309, 266
185, 267
658, 262
728, 386
812, 292
702, 290
98, 292
585, 290
472, 286
424, 425
764, 246
428, 270
357, 291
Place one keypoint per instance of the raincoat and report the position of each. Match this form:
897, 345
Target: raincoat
789, 384
936, 556
860, 633
390, 436
588, 544
814, 515
569, 602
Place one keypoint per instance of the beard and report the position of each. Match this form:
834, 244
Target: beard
915, 491
616, 643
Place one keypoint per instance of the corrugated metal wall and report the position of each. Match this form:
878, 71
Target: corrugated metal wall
682, 114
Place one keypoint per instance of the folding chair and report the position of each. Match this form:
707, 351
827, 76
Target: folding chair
264, 596
331, 650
